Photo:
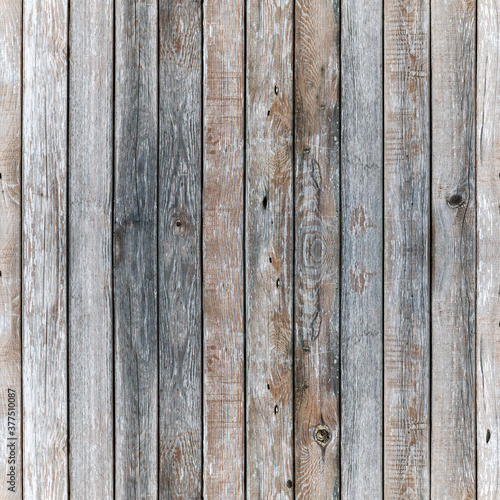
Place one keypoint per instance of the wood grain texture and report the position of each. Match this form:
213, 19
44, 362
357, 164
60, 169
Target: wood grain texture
453, 234
135, 259
317, 249
223, 362
407, 245
45, 457
488, 243
362, 250
179, 249
269, 248
10, 247
90, 250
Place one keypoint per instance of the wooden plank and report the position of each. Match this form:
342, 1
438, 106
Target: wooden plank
45, 457
135, 260
179, 249
223, 357
407, 244
362, 250
90, 249
317, 249
453, 231
10, 250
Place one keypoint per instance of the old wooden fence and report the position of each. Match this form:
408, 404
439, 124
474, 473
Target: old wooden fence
250, 249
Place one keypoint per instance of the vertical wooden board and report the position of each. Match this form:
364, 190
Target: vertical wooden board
407, 238
179, 249
45, 432
317, 249
488, 243
90, 249
135, 262
269, 248
10, 251
223, 138
453, 250
362, 250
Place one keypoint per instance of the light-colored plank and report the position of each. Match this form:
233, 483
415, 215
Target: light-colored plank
179, 249
90, 250
362, 250
135, 262
407, 239
45, 457
317, 249
10, 250
223, 137
488, 244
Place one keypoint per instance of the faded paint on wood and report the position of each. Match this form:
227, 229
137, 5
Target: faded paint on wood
317, 248
45, 432
407, 240
179, 249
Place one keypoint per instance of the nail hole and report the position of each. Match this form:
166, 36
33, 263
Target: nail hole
289, 483
268, 387
488, 436
0, 274
268, 113
276, 90
455, 200
178, 223
270, 260
276, 410
322, 435
278, 283
264, 202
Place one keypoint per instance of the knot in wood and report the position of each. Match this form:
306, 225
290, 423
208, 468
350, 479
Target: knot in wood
456, 200
322, 435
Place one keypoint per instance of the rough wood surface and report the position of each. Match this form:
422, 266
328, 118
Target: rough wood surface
362, 250
90, 250
269, 249
407, 239
10, 248
317, 249
223, 361
179, 249
45, 457
135, 262
453, 234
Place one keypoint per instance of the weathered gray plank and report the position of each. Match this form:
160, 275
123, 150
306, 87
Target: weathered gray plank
223, 362
362, 250
407, 240
45, 446
179, 249
135, 262
317, 136
90, 249
10, 249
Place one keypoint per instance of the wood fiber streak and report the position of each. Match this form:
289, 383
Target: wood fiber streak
407, 238
179, 250
362, 250
317, 249
223, 249
90, 250
45, 432
10, 234
135, 263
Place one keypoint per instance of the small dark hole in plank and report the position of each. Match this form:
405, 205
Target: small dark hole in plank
268, 113
276, 90
276, 410
289, 483
278, 283
270, 259
264, 202
0, 274
178, 223
0, 176
268, 387
455, 200
488, 436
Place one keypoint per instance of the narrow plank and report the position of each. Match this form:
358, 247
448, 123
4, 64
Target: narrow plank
179, 249
135, 262
223, 357
453, 431
45, 433
10, 250
362, 250
269, 249
407, 245
90, 250
317, 249
488, 242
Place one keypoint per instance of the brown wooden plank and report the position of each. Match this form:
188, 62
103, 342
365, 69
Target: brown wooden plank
453, 453
362, 250
90, 249
45, 432
223, 362
10, 250
179, 249
135, 262
317, 249
407, 244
